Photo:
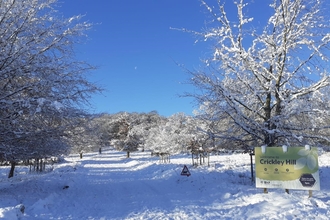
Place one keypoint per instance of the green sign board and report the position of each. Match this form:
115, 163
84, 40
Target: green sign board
287, 168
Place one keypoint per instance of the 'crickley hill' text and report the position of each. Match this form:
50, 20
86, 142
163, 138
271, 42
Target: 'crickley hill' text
276, 161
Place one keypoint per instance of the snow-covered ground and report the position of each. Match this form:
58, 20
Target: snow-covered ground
111, 186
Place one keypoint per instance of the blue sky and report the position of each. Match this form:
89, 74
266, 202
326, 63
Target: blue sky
136, 52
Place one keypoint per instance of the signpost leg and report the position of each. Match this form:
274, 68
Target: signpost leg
310, 193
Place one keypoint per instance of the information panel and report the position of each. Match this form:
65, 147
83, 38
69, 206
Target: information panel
287, 168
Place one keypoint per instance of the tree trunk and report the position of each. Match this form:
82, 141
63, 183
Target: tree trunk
127, 154
41, 165
12, 169
44, 167
37, 165
268, 137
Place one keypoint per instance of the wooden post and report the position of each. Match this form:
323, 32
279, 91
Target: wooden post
287, 191
310, 193
265, 190
252, 177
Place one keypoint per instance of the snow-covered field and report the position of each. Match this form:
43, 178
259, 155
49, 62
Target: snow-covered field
111, 186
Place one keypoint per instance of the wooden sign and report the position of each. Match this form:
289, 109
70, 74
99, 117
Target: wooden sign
289, 168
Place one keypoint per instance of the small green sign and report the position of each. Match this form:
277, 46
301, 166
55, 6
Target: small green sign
288, 168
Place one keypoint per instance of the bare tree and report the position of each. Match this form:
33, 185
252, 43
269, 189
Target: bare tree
270, 85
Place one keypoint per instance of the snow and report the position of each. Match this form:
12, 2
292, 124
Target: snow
111, 186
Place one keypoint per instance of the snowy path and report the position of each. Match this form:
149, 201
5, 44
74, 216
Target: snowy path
110, 186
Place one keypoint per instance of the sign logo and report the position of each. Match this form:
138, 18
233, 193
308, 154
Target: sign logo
307, 180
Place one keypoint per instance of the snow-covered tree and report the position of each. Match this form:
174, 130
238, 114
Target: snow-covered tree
83, 135
269, 84
171, 134
121, 136
104, 125
40, 78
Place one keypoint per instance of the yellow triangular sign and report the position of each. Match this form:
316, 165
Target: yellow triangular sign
185, 171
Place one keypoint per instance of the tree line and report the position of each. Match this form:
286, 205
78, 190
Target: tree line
42, 85
130, 132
